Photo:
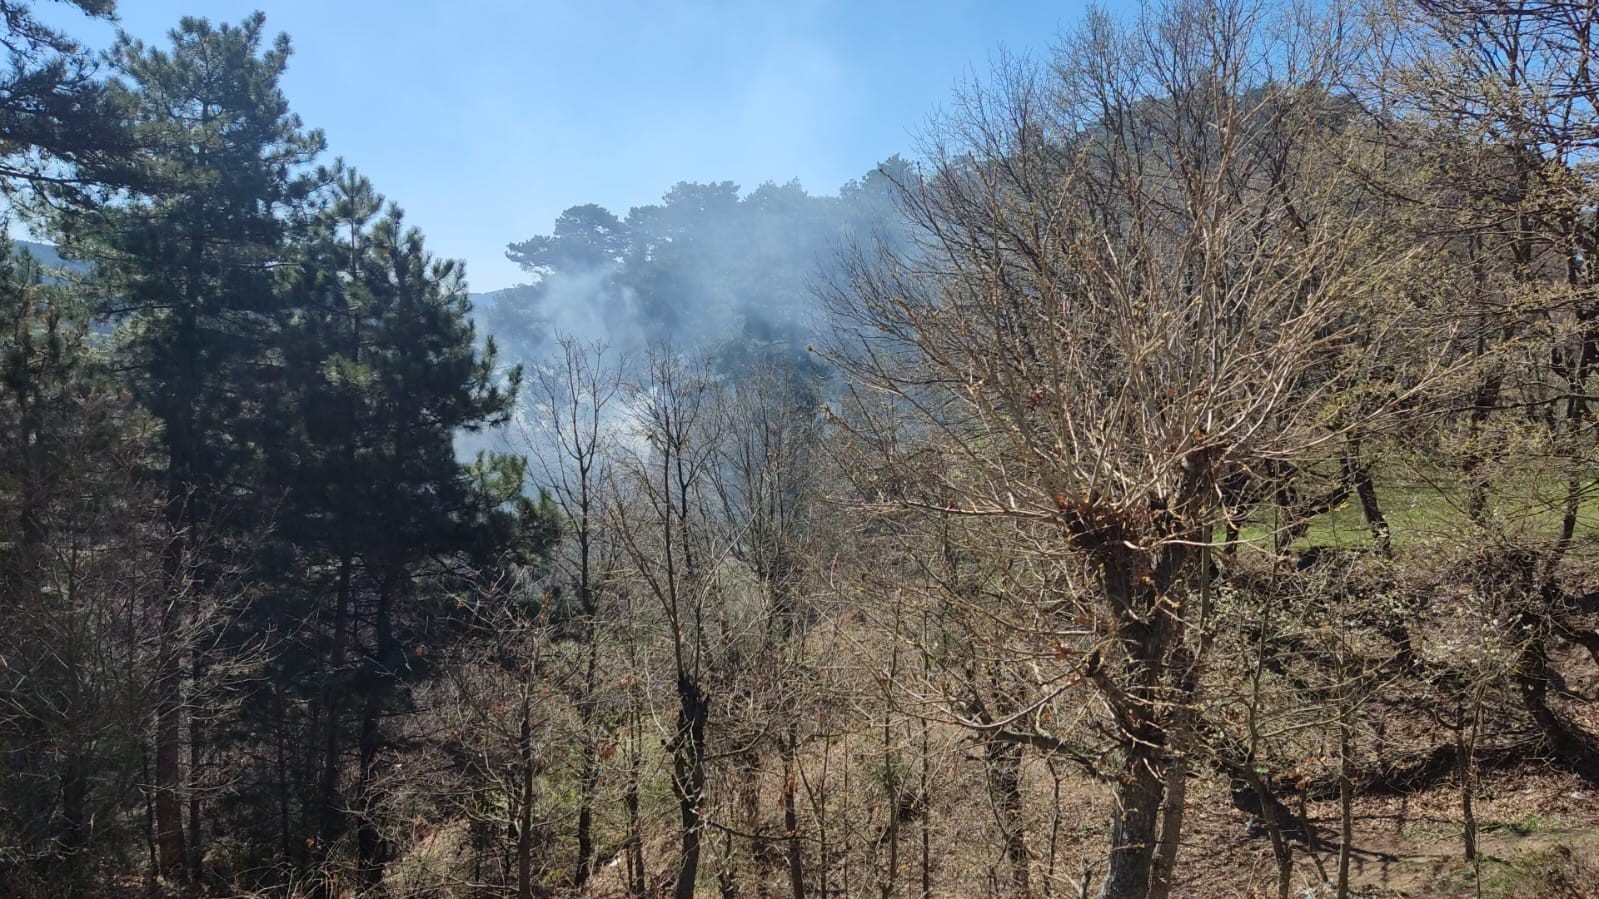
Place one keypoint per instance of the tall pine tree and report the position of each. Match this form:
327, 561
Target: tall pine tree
382, 372
75, 594
186, 258
54, 111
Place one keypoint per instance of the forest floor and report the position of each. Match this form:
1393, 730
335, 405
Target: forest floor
1538, 839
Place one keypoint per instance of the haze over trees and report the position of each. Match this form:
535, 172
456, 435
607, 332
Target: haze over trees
1175, 478
707, 266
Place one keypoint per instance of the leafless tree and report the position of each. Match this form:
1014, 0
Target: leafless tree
1137, 271
569, 435
664, 523
767, 481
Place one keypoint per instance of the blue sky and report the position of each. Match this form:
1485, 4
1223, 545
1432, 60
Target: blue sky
485, 118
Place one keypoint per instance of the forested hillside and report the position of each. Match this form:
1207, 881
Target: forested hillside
706, 268
1173, 477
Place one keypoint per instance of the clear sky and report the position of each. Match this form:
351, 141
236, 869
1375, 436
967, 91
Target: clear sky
485, 118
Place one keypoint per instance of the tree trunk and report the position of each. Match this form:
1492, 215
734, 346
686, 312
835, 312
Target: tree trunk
1005, 794
280, 741
170, 854
73, 838
796, 863
1281, 849
636, 881
196, 850
886, 885
761, 848
819, 795
1054, 829
1359, 477
331, 809
1132, 829
1463, 762
151, 847
589, 775
1573, 747
1147, 631
1178, 734
379, 677
170, 844
688, 779
1171, 827
524, 823
588, 789
1346, 801
181, 444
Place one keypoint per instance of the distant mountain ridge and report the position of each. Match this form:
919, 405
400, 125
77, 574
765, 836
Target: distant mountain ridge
51, 258
45, 253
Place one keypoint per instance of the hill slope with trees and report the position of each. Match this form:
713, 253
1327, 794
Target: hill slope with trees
1177, 479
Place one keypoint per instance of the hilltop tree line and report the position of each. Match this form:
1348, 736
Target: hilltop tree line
1192, 448
706, 267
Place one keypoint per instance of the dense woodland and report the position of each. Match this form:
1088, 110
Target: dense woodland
1175, 477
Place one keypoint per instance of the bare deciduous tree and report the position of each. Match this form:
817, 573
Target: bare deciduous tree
1137, 271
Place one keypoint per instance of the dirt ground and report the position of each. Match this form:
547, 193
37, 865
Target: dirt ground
1539, 839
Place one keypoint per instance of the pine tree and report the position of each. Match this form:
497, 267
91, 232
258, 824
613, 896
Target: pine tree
55, 115
72, 592
186, 259
381, 373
